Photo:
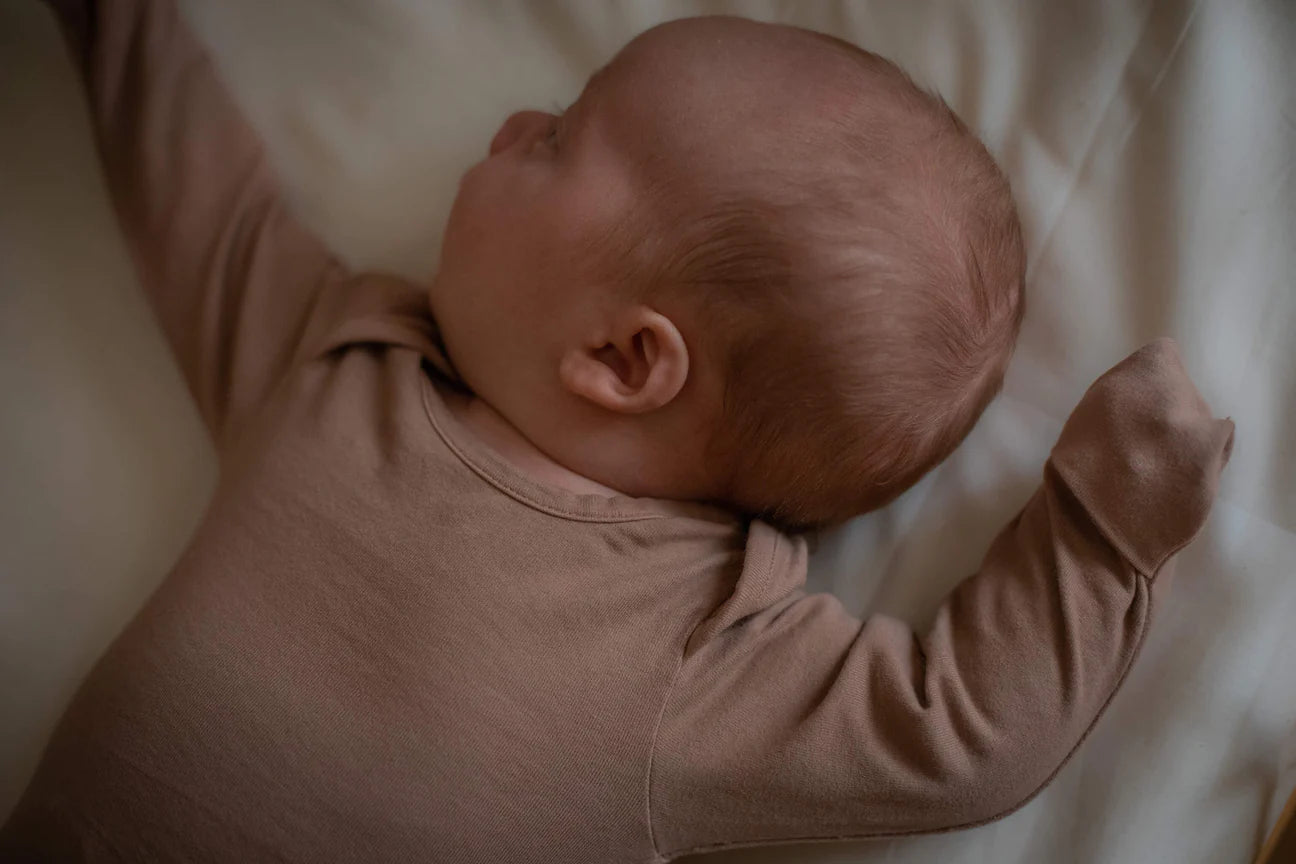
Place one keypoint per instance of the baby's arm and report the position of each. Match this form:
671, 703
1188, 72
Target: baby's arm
797, 721
231, 275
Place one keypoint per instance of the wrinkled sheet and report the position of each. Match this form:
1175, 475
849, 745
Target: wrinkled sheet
1151, 150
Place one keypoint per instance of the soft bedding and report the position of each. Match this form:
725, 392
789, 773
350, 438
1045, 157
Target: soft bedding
1150, 146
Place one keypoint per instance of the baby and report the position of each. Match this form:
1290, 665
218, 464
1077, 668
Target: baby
519, 585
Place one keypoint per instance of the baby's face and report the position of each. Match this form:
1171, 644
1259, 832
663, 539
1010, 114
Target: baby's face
518, 272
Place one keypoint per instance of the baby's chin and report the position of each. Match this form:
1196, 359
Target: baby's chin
441, 291
435, 304
433, 292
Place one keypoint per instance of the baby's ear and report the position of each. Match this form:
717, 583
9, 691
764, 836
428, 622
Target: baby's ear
638, 363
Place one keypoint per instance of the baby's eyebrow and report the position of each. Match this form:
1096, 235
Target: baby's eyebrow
580, 116
596, 82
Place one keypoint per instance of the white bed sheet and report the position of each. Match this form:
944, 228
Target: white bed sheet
1151, 149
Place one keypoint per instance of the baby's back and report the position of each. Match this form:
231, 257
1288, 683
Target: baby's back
381, 642
385, 643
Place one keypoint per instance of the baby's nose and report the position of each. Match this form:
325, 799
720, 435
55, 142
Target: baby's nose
515, 127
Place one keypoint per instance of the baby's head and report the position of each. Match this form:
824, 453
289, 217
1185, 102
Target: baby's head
751, 264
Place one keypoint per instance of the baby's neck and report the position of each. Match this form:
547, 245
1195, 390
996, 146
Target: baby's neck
513, 447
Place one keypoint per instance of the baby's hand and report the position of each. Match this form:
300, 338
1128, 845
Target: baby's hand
1143, 453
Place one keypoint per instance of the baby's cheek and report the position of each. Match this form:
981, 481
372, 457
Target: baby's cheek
489, 210
510, 237
466, 216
